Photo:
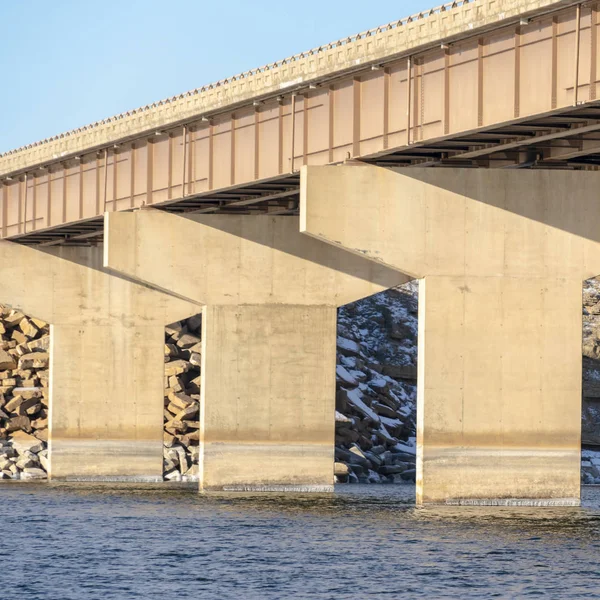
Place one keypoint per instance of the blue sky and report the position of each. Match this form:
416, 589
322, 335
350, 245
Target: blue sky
66, 63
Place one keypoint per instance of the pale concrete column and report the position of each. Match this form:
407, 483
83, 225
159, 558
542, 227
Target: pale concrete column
502, 256
269, 326
268, 397
499, 390
106, 360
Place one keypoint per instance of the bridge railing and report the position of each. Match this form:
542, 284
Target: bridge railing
252, 72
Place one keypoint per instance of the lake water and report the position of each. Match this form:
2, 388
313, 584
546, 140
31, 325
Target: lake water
88, 542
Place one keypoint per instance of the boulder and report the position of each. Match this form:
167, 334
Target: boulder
340, 469
409, 475
39, 323
194, 323
13, 318
7, 361
195, 359
41, 434
34, 473
27, 460
187, 340
181, 400
197, 348
174, 426
407, 372
176, 367
391, 469
383, 410
13, 405
22, 441
40, 345
347, 347
28, 329
34, 360
175, 383
174, 330
357, 456
193, 386
44, 462
41, 423
19, 337
19, 423
171, 350
188, 413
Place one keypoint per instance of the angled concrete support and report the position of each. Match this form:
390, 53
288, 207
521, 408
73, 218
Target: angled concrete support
269, 324
106, 360
502, 255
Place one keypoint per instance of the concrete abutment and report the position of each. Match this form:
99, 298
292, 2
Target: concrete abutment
502, 256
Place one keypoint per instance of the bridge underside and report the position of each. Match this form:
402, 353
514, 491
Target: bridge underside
558, 140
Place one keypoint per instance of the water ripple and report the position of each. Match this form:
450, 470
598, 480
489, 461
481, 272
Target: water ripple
128, 542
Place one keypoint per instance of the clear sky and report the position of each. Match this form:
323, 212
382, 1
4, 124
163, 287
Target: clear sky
66, 63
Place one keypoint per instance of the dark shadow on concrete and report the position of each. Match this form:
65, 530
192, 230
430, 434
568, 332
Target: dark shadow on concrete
286, 237
576, 211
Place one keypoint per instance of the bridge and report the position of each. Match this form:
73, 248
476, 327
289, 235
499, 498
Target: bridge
458, 146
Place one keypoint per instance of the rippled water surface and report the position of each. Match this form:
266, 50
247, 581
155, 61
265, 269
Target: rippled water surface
88, 542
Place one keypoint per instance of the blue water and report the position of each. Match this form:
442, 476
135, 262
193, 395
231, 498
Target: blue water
89, 542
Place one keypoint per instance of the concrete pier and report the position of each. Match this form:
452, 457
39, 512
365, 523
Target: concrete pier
503, 255
269, 324
268, 397
106, 360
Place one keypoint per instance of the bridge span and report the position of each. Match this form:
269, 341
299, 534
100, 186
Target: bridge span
459, 146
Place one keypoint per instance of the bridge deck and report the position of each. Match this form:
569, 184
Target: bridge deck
510, 83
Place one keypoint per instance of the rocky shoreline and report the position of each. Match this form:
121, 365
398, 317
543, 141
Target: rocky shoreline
183, 354
376, 388
375, 419
24, 345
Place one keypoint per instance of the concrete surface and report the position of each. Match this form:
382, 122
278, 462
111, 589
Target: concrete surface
106, 360
268, 333
503, 255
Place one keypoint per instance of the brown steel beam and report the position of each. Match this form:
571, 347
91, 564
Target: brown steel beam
249, 201
531, 140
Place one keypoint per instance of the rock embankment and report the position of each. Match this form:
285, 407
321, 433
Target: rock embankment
183, 354
24, 344
376, 388
590, 459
